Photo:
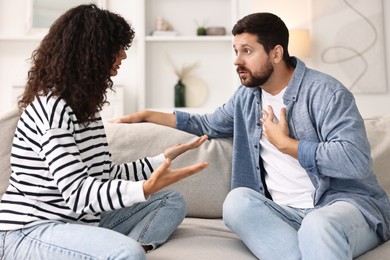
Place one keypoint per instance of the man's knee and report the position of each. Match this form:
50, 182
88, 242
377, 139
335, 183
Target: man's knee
237, 204
320, 225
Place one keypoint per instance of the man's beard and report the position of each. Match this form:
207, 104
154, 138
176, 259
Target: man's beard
257, 79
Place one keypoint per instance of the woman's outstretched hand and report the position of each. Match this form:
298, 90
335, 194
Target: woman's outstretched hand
163, 176
176, 150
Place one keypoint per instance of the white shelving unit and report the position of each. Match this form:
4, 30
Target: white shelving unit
213, 80
147, 78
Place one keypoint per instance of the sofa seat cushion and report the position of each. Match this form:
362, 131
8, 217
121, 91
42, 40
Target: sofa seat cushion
202, 239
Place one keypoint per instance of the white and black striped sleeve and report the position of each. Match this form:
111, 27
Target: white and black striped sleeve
137, 170
81, 192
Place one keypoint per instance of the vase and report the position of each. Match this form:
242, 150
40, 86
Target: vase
180, 94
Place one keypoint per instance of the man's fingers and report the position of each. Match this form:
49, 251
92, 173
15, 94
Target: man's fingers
283, 119
283, 113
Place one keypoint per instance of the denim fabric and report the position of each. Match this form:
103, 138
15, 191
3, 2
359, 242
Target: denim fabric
149, 223
61, 241
333, 146
120, 235
337, 231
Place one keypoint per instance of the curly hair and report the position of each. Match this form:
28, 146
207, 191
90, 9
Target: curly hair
74, 59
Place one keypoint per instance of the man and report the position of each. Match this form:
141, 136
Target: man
302, 181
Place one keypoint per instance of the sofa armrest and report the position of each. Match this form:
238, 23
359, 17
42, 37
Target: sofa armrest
378, 133
8, 121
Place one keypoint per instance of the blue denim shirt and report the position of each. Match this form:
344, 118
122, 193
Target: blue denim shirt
333, 146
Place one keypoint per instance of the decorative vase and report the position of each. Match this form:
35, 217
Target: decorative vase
180, 94
200, 31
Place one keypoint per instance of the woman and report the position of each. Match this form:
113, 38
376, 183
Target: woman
66, 200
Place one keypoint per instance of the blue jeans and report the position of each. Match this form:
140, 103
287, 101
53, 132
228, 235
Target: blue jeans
337, 231
119, 236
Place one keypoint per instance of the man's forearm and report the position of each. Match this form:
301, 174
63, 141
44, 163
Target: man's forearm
160, 118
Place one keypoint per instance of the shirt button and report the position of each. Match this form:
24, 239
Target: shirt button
256, 146
258, 124
258, 167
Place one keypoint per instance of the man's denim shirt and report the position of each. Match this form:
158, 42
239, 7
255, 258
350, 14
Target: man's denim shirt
333, 146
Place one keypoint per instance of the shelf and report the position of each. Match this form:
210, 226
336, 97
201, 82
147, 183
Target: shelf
227, 38
195, 110
21, 37
213, 53
147, 76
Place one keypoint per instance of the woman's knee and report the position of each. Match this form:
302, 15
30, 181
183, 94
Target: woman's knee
175, 200
130, 250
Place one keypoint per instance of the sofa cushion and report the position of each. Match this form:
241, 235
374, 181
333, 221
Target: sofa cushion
202, 239
205, 191
8, 121
378, 132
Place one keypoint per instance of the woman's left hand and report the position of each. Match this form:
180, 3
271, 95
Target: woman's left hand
176, 150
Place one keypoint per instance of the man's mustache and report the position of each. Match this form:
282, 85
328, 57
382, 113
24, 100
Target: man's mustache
241, 69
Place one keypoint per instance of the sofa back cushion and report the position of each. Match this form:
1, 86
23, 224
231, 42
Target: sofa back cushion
378, 132
205, 191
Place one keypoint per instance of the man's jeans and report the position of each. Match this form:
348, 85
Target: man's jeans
119, 236
337, 231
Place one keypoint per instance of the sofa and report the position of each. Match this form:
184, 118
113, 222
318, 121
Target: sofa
202, 235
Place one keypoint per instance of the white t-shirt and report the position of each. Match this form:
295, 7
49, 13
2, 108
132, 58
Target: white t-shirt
287, 182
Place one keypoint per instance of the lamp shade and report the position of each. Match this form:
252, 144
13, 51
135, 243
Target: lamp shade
299, 43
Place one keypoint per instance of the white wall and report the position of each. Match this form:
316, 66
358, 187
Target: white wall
14, 53
297, 14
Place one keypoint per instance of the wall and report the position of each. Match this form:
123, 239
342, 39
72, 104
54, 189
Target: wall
297, 14
14, 53
16, 49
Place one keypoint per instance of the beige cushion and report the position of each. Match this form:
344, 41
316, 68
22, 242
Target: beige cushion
203, 192
378, 132
8, 121
198, 239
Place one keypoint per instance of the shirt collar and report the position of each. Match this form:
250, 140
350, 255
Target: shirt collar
296, 80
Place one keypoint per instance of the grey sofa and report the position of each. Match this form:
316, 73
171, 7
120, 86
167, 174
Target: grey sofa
202, 235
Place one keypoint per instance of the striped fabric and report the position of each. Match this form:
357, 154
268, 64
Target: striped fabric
62, 170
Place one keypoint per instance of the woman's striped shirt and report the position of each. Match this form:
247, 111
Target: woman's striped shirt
62, 170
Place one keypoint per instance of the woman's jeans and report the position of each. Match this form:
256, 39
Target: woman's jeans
337, 231
119, 236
